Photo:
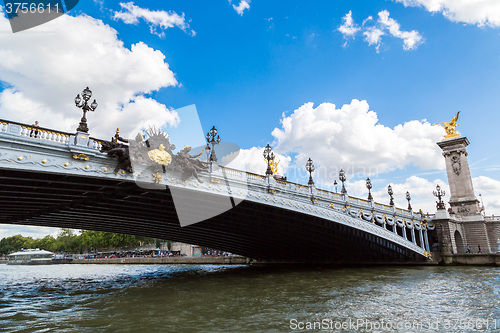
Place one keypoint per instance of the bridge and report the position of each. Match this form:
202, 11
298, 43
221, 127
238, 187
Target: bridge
60, 179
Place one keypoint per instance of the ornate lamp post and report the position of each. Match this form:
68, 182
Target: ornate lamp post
342, 179
335, 184
408, 197
207, 151
482, 205
86, 94
213, 139
390, 192
438, 193
268, 156
310, 169
369, 187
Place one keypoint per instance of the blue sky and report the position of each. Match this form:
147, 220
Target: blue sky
247, 70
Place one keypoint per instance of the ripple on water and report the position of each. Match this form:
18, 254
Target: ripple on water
184, 298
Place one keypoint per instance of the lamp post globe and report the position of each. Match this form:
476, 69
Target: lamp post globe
408, 197
268, 156
86, 94
310, 169
369, 187
390, 192
342, 178
211, 139
439, 194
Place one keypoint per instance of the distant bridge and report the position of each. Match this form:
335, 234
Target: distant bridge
62, 179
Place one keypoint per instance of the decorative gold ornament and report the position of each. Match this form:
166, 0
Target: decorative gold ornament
66, 164
451, 132
20, 158
81, 157
157, 177
87, 167
214, 180
160, 156
105, 169
44, 161
117, 135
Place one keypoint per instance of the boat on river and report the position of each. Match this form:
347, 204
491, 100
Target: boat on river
30, 257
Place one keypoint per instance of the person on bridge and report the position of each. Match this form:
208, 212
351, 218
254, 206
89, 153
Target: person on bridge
479, 249
468, 249
34, 131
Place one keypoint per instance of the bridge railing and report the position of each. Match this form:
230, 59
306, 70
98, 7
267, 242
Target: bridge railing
43, 133
60, 137
327, 196
34, 131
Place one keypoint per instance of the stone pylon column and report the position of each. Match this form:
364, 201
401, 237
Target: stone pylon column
463, 201
465, 224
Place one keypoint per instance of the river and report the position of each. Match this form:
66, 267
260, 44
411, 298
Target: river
209, 298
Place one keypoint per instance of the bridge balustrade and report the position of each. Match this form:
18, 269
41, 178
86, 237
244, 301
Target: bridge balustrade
355, 212
34, 132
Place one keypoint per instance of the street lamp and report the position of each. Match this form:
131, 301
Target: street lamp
439, 194
369, 187
342, 179
268, 156
482, 205
408, 197
390, 192
86, 94
310, 169
211, 139
207, 151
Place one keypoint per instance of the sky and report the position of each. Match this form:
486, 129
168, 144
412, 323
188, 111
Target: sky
351, 84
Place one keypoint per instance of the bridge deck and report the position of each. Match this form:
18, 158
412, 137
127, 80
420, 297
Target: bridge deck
56, 181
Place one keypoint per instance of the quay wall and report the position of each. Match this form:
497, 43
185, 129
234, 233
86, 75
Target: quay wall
231, 260
472, 259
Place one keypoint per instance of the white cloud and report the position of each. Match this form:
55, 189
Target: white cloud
348, 28
155, 18
8, 230
420, 191
45, 68
477, 12
241, 7
489, 189
373, 36
411, 39
252, 160
352, 138
373, 33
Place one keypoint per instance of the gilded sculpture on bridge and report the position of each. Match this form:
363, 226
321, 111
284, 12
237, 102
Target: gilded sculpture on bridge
274, 165
449, 127
118, 151
152, 153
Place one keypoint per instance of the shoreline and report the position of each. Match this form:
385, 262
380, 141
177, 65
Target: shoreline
492, 259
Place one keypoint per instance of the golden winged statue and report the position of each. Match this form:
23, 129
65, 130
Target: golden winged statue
451, 132
274, 165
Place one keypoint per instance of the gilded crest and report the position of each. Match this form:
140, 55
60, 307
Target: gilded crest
160, 155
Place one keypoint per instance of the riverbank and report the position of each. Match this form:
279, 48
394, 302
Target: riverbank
446, 260
229, 260
491, 259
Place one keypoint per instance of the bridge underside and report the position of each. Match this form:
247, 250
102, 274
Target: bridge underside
250, 229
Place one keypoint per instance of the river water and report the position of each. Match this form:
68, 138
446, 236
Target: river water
208, 298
